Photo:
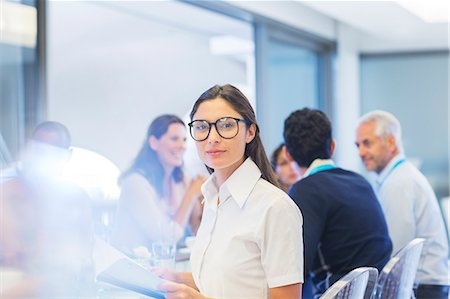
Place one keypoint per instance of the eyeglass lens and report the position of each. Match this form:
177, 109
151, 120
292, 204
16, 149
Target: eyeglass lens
226, 127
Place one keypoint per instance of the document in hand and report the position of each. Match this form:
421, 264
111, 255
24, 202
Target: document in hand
114, 267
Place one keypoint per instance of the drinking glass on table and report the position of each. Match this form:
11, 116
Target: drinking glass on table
164, 254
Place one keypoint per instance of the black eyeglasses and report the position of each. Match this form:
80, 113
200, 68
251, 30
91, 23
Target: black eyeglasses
226, 127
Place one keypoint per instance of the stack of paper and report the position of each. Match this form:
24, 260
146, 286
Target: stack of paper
114, 267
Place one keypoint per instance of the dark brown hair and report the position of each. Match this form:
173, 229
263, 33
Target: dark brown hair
274, 157
241, 105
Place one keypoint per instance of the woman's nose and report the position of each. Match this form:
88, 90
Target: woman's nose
213, 135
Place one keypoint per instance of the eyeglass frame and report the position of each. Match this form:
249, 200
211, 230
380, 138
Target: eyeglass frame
215, 125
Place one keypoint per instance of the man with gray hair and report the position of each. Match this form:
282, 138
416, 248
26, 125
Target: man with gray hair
407, 199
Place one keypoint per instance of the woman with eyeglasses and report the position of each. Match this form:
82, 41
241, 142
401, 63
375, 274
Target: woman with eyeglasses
158, 202
249, 244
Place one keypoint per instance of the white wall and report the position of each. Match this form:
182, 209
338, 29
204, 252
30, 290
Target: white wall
346, 108
111, 71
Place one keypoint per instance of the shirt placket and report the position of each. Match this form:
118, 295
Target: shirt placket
212, 220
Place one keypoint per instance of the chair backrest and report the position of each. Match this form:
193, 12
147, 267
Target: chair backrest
358, 284
397, 277
445, 209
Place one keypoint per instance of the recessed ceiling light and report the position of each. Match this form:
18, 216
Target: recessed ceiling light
18, 24
430, 11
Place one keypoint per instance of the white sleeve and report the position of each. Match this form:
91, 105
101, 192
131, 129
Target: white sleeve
430, 225
282, 244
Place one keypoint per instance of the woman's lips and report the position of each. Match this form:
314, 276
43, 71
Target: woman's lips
214, 153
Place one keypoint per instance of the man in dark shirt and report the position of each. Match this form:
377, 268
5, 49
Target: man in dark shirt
344, 226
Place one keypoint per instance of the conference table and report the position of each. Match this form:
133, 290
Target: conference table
11, 278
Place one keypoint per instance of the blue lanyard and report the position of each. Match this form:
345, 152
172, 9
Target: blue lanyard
321, 168
399, 162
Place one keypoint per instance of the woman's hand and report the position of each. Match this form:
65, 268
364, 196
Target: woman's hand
190, 199
167, 274
179, 291
184, 278
195, 186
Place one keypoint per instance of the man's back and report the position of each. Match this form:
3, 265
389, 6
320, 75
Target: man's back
344, 226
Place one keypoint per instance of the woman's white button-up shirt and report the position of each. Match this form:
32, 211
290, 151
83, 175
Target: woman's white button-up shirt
251, 241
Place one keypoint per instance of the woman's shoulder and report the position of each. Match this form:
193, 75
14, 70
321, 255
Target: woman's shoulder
273, 202
135, 180
268, 187
271, 193
135, 188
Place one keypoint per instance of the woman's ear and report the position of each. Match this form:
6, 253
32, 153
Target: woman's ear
153, 142
251, 133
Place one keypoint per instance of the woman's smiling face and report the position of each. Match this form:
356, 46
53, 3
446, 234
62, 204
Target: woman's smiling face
171, 146
222, 155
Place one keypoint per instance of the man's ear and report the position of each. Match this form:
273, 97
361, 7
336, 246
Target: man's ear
251, 133
287, 154
390, 143
153, 142
332, 147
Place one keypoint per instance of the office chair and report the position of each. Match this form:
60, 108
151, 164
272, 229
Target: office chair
397, 277
358, 284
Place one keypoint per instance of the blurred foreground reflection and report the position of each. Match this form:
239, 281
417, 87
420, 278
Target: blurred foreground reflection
45, 224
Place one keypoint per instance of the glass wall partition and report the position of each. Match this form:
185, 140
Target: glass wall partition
293, 73
292, 84
19, 75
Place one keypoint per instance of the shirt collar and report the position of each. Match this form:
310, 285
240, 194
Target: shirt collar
238, 186
317, 163
389, 167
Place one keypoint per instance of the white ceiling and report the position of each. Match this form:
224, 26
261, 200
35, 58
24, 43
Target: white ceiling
386, 25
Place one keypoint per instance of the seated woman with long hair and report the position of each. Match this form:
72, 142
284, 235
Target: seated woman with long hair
158, 202
286, 170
